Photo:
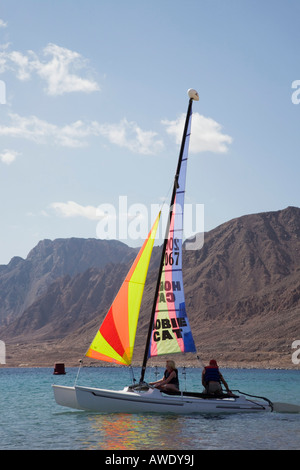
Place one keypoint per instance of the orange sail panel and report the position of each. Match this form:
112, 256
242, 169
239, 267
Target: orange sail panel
114, 341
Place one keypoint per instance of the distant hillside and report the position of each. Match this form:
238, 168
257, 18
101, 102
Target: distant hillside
243, 288
242, 294
23, 281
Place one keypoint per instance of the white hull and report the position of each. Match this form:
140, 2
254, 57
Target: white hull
150, 401
66, 396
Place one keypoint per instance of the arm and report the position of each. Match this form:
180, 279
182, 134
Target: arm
164, 381
224, 383
157, 382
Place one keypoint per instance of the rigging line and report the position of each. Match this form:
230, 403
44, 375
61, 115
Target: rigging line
80, 364
166, 198
200, 360
132, 374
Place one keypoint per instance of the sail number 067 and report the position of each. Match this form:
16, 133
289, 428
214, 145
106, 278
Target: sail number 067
172, 252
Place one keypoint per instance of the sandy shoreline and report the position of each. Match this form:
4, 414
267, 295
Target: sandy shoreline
71, 363
48, 353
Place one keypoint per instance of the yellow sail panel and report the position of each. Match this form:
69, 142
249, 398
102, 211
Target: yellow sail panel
114, 341
137, 283
100, 349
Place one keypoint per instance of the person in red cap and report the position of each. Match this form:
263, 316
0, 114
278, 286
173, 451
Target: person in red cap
212, 379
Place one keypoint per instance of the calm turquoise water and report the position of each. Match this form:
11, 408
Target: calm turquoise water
30, 418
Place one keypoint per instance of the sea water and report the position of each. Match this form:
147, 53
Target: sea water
31, 419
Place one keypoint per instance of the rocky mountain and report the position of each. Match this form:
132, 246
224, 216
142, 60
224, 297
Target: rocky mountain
242, 294
243, 287
22, 281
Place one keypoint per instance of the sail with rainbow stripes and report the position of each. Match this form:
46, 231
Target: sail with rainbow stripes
171, 332
114, 341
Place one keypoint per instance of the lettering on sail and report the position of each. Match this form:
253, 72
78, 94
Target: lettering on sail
167, 289
172, 254
163, 327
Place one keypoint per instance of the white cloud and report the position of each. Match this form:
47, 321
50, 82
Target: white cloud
58, 67
57, 72
42, 132
206, 134
130, 135
8, 156
2, 24
22, 63
72, 209
124, 134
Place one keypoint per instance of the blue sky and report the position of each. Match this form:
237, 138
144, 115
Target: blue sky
95, 93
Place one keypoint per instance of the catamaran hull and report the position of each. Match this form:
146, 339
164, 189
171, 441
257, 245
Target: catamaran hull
66, 396
152, 401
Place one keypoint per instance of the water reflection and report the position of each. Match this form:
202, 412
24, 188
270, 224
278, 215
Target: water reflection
136, 432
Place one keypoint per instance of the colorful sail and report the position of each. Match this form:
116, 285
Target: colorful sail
171, 331
114, 341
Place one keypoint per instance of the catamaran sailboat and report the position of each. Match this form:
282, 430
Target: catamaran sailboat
169, 329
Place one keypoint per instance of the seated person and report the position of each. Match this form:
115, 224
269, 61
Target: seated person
212, 379
170, 379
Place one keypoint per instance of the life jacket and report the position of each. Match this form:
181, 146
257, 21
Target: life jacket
173, 381
211, 374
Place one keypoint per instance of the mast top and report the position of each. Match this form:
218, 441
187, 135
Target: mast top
193, 94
